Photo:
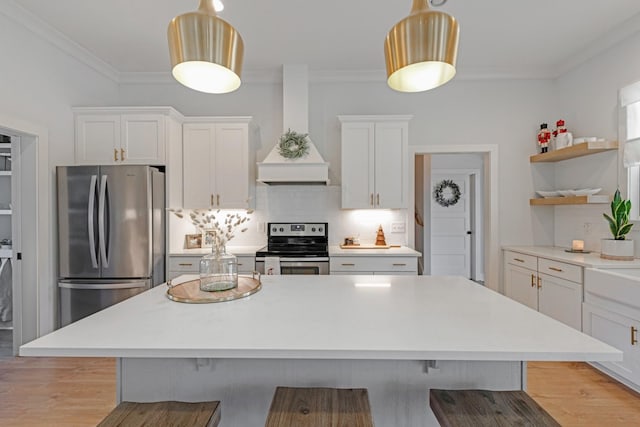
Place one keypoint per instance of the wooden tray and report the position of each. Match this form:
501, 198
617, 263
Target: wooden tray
190, 292
368, 246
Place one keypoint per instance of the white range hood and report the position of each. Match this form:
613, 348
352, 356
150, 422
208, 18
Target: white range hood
311, 169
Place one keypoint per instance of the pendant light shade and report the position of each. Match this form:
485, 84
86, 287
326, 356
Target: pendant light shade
206, 51
421, 50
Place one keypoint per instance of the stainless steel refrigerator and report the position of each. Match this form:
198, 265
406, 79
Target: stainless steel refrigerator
111, 223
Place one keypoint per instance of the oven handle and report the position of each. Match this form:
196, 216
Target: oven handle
307, 259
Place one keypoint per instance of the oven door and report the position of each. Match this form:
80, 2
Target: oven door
318, 265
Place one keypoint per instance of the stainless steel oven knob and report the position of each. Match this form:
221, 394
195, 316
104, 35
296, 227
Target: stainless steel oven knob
274, 229
281, 229
320, 229
313, 229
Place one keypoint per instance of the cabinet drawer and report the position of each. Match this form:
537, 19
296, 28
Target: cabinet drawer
190, 264
388, 264
522, 260
560, 269
246, 264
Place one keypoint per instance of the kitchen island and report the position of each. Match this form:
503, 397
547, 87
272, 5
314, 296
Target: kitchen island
398, 336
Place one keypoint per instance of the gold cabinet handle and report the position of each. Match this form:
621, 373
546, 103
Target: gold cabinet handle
518, 259
399, 265
378, 198
122, 154
634, 335
212, 200
372, 200
539, 284
559, 270
218, 199
533, 277
115, 154
185, 264
348, 265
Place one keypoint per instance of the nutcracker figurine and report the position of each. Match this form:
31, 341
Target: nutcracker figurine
560, 128
544, 136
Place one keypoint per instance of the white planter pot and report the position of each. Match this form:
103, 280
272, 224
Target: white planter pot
621, 250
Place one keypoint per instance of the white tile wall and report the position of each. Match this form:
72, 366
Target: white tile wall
306, 203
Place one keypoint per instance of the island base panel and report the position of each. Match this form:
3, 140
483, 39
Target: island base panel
398, 389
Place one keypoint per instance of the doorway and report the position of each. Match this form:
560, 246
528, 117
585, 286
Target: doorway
435, 239
31, 260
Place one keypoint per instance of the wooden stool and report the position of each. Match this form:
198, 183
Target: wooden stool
320, 407
204, 414
480, 408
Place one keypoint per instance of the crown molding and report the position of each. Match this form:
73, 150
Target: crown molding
46, 32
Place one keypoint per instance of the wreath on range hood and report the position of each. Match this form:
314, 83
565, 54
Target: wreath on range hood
452, 195
293, 145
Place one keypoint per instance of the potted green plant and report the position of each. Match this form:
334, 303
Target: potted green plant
618, 248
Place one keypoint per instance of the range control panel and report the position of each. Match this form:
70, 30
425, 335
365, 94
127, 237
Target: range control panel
297, 229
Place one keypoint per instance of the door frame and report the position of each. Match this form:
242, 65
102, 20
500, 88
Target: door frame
33, 315
490, 228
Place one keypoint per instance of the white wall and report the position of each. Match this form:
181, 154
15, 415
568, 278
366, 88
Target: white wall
588, 100
39, 84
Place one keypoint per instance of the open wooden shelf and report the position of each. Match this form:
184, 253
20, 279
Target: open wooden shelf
572, 200
578, 150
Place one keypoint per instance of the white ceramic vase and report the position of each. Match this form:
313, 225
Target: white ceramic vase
621, 250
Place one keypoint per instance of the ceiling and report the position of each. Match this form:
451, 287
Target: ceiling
499, 38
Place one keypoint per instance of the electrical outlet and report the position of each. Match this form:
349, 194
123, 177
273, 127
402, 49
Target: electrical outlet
588, 227
261, 226
398, 227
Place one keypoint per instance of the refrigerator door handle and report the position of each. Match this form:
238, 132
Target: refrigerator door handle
102, 286
101, 218
91, 212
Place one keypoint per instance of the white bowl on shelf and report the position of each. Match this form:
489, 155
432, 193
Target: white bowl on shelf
566, 193
548, 194
587, 191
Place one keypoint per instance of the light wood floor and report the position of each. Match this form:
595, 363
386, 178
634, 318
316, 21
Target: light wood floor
80, 392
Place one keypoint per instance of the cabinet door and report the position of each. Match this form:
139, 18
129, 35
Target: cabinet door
231, 166
521, 285
97, 139
143, 139
615, 330
390, 158
561, 300
358, 165
198, 142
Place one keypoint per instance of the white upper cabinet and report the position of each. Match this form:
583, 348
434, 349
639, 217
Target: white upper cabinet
128, 135
374, 161
216, 164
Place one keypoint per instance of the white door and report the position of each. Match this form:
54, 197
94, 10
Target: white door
521, 285
390, 165
450, 224
561, 300
197, 156
231, 166
143, 138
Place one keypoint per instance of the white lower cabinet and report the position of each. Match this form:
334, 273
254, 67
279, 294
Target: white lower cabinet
179, 265
611, 313
551, 287
620, 332
396, 265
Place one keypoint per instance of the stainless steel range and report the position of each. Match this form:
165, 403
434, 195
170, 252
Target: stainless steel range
295, 248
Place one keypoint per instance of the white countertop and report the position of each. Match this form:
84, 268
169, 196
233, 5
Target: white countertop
235, 250
328, 317
585, 260
401, 251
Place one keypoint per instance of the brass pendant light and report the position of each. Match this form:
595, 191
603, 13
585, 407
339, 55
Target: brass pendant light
421, 49
206, 51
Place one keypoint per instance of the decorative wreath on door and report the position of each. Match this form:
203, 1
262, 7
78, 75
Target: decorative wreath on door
447, 193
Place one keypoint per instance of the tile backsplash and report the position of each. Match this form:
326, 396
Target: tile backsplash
293, 203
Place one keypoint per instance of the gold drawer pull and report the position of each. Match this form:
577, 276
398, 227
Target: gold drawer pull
539, 284
634, 335
372, 199
239, 264
115, 154
348, 265
559, 270
399, 265
212, 200
185, 264
122, 154
378, 198
533, 277
518, 259
218, 199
